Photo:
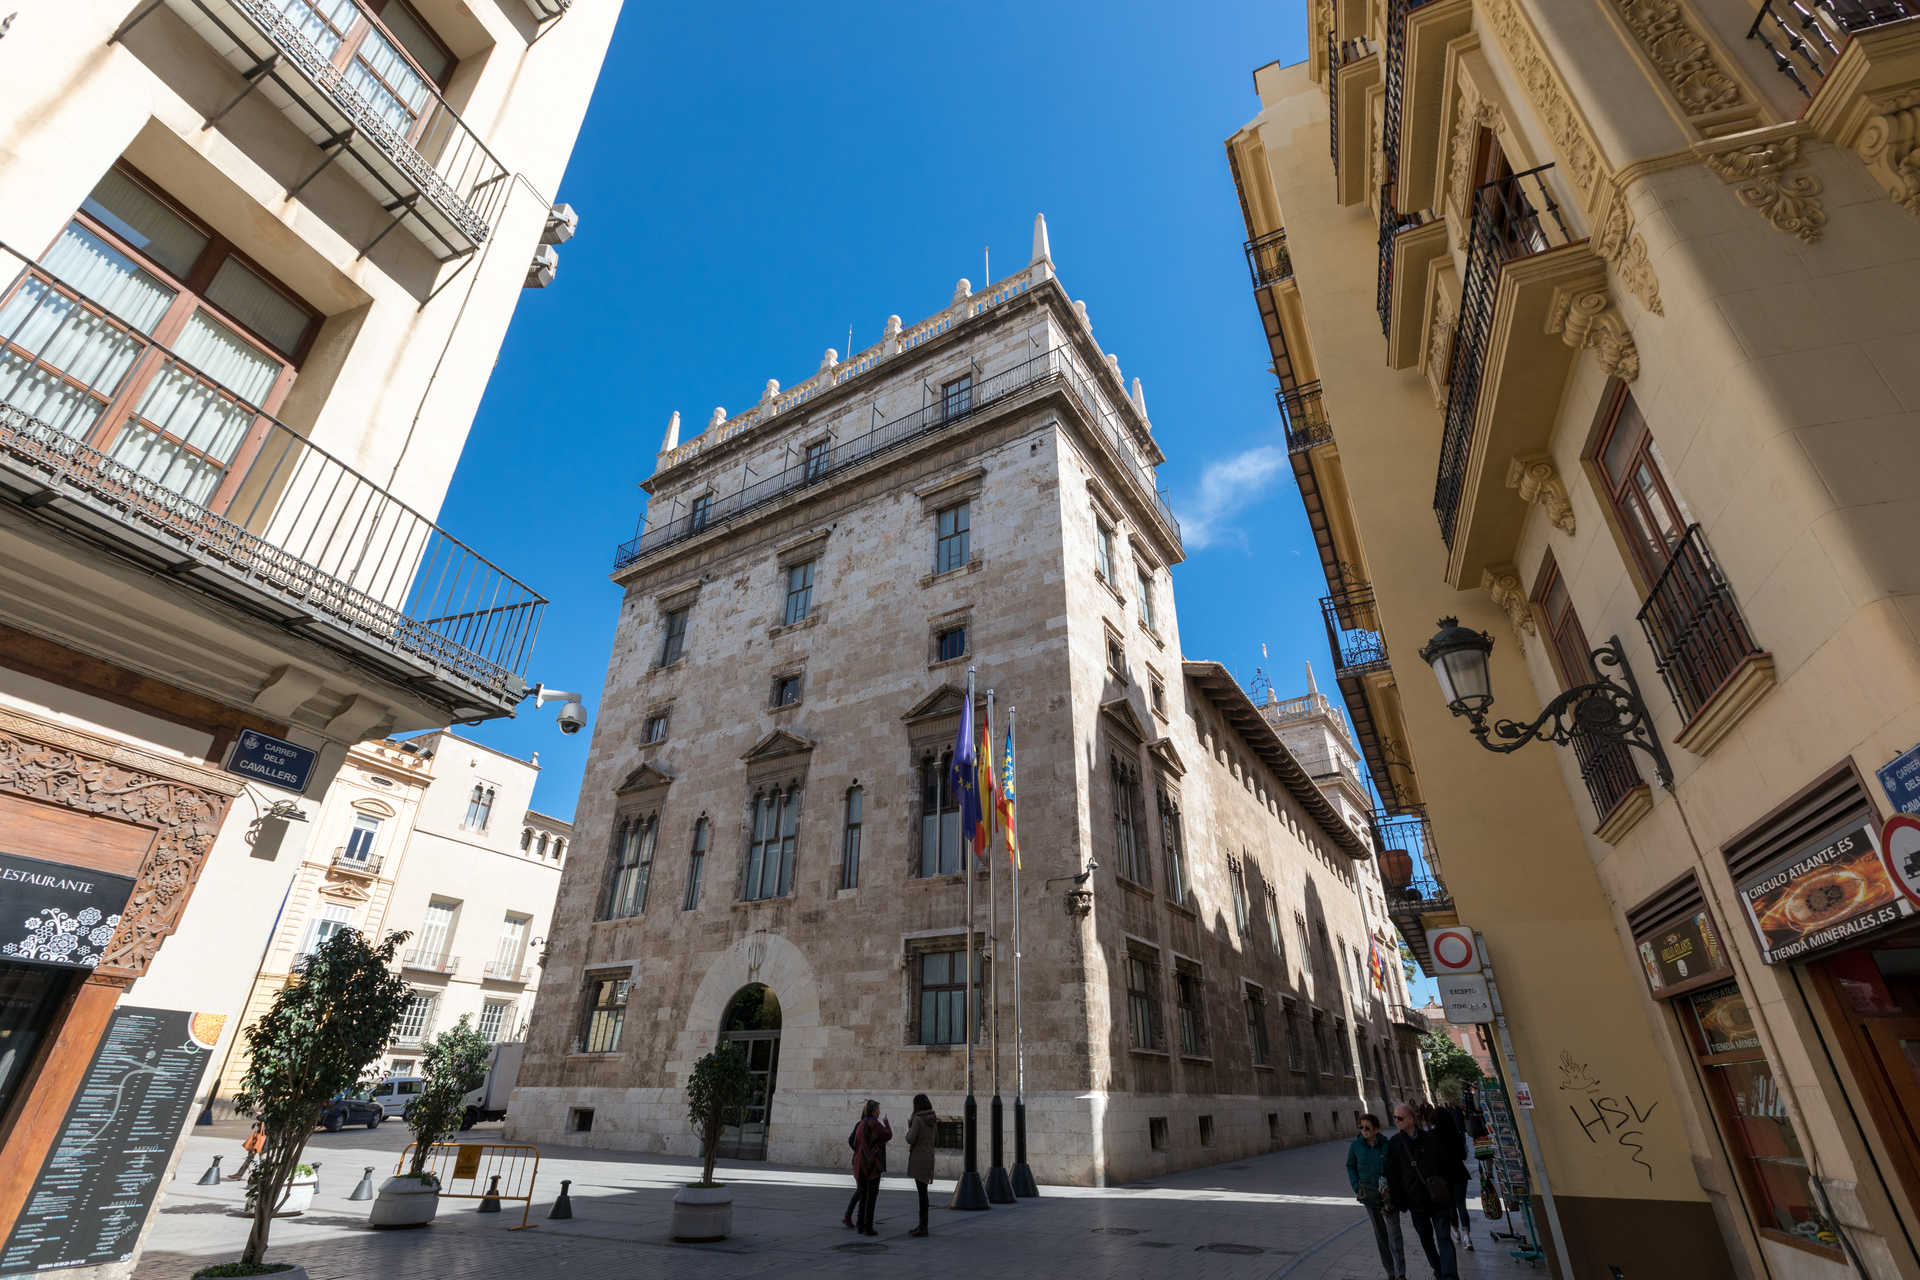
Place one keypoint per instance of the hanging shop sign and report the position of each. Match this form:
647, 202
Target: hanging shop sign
1828, 893
1683, 955
53, 913
274, 761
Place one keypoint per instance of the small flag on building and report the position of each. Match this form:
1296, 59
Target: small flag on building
989, 788
964, 777
1376, 964
1006, 797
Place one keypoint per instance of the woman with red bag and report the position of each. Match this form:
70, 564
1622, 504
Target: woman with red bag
870, 1138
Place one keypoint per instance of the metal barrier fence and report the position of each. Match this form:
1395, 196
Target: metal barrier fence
486, 1171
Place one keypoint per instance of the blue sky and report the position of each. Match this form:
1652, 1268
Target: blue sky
753, 179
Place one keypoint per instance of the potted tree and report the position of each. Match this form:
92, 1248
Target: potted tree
719, 1087
454, 1063
324, 1029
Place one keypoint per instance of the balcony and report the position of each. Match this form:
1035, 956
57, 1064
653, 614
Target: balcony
113, 437
368, 866
1410, 874
1410, 1018
1268, 262
1708, 660
1805, 38
1056, 368
503, 971
427, 960
1619, 794
1353, 631
1511, 361
364, 104
1353, 68
1305, 416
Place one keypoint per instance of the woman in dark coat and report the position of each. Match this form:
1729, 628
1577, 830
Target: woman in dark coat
920, 1134
870, 1138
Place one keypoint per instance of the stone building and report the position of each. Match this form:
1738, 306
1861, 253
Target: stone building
432, 835
1598, 322
768, 847
259, 259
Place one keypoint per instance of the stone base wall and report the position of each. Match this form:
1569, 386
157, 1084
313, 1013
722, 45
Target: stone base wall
1084, 1139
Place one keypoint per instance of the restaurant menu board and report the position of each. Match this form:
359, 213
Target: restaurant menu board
1509, 1159
105, 1167
1822, 895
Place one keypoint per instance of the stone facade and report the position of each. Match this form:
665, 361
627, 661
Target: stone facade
1047, 466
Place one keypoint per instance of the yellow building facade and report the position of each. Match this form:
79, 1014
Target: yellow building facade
1595, 319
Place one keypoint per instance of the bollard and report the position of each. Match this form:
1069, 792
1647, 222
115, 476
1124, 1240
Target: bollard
211, 1178
563, 1207
365, 1190
316, 1177
491, 1202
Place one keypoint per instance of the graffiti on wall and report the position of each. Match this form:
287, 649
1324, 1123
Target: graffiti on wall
1602, 1117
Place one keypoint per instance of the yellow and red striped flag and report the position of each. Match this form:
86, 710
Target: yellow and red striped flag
1004, 798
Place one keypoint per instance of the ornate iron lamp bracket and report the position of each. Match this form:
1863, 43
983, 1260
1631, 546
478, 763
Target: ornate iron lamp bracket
1604, 711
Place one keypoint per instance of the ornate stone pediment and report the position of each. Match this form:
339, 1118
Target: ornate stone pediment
647, 775
942, 703
1121, 712
1161, 749
775, 746
1584, 316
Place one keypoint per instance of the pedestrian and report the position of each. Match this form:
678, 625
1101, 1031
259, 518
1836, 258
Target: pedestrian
920, 1134
870, 1138
255, 1143
1450, 1122
1367, 1171
853, 1202
1418, 1183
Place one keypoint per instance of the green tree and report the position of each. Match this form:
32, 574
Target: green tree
454, 1064
1407, 966
325, 1028
721, 1085
1446, 1060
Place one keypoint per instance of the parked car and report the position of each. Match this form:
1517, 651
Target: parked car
396, 1093
350, 1109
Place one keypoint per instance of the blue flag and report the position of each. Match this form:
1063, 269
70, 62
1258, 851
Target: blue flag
964, 779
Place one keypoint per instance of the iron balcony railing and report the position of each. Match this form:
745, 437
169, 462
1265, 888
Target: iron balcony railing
94, 410
362, 866
1353, 630
1056, 366
502, 971
1694, 626
1268, 262
430, 960
1807, 35
1339, 54
1608, 769
1305, 415
1394, 77
1513, 217
1408, 860
1409, 1017
369, 108
1392, 223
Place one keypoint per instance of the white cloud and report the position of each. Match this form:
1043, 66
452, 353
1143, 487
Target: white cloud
1227, 488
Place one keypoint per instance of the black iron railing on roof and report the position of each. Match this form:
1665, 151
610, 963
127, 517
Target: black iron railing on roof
1807, 35
92, 407
1694, 625
1268, 262
1055, 366
1353, 630
1305, 415
1513, 217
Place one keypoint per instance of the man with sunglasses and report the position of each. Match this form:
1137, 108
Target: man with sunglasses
1416, 1177
1366, 1170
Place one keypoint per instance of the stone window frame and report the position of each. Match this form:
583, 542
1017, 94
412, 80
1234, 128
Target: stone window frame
1253, 999
1237, 890
636, 830
700, 509
673, 644
953, 547
1189, 975
1173, 842
1116, 653
662, 713
1126, 800
853, 807
790, 795
796, 672
953, 942
960, 619
590, 1004
1296, 1043
699, 845
1145, 997
1157, 694
944, 494
929, 740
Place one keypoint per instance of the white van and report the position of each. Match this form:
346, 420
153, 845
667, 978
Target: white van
395, 1092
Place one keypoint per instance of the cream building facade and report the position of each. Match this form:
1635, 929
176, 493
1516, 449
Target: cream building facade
261, 258
1642, 278
432, 835
770, 853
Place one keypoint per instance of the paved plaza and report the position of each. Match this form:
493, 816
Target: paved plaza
1284, 1214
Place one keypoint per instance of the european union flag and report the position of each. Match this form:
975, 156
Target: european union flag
964, 778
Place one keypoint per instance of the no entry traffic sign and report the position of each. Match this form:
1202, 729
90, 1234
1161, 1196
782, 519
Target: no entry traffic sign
1453, 950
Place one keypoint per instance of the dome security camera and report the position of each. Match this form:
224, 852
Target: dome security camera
573, 718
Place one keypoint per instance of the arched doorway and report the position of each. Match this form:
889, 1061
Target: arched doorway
752, 1022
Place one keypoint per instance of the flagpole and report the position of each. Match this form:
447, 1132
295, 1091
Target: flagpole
968, 1193
999, 1186
1023, 1183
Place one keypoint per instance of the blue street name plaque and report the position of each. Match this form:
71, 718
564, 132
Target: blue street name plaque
1900, 777
271, 760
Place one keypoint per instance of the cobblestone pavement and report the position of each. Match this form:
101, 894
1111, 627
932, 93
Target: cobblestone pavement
1280, 1215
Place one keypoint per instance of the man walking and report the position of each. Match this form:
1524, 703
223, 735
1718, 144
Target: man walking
1366, 1170
1417, 1180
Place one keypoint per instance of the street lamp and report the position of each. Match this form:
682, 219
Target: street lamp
1601, 713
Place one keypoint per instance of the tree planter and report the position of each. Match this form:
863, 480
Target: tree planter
406, 1201
702, 1213
296, 1199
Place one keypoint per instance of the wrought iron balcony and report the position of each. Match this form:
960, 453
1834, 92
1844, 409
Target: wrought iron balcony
1054, 367
1694, 625
1513, 217
1353, 631
358, 866
1305, 415
1410, 1018
113, 434
1267, 259
364, 103
501, 971
1807, 35
1409, 863
430, 960
1339, 54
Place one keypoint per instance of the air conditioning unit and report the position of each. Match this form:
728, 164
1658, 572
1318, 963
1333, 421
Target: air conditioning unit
540, 272
562, 222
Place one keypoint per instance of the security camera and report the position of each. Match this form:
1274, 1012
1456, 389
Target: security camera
573, 718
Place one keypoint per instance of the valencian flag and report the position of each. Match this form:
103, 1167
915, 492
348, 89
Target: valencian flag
1004, 801
1376, 964
989, 790
964, 778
